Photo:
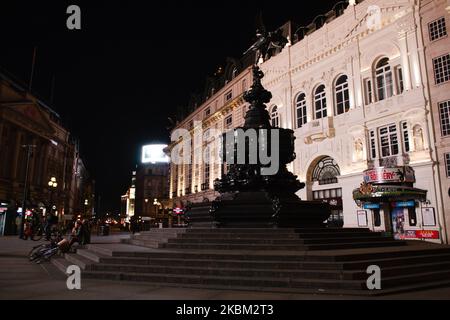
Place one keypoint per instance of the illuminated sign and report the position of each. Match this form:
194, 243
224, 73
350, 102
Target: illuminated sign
371, 206
154, 153
403, 204
178, 210
384, 175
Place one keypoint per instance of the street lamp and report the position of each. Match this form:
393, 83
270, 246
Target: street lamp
53, 185
155, 203
86, 203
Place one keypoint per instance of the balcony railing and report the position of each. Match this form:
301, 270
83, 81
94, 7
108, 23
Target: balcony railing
319, 129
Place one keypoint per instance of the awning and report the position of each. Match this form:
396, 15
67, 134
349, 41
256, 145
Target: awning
388, 193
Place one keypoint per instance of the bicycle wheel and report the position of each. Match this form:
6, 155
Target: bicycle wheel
36, 236
37, 252
47, 254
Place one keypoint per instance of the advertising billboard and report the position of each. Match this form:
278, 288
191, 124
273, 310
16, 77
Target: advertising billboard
154, 153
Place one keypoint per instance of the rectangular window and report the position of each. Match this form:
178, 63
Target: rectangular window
447, 164
368, 90
388, 141
207, 112
437, 29
228, 96
373, 147
301, 114
441, 66
320, 104
228, 121
405, 134
400, 83
444, 114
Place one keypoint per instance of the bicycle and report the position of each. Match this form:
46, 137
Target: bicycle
44, 252
39, 232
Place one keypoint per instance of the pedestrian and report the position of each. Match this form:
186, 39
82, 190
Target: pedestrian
76, 234
17, 225
86, 232
134, 224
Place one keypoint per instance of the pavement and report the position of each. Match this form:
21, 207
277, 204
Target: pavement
21, 279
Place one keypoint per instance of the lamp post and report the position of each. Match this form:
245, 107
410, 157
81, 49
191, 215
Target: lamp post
86, 203
155, 203
25, 189
53, 185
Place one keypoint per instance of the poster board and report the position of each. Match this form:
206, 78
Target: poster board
428, 217
362, 218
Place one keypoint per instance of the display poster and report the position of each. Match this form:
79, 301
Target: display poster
362, 218
428, 217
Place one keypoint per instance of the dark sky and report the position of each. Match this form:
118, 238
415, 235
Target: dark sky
120, 76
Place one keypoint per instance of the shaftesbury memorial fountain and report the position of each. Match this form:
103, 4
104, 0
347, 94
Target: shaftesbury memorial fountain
252, 195
256, 192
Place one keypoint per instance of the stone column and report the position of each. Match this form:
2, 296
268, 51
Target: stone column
405, 60
413, 52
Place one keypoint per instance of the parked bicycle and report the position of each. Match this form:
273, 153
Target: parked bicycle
45, 251
39, 232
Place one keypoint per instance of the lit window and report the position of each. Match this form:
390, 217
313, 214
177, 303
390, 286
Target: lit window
373, 146
444, 113
405, 134
274, 117
437, 29
447, 164
400, 83
441, 66
388, 141
229, 95
301, 110
342, 95
368, 91
229, 121
384, 79
320, 102
234, 73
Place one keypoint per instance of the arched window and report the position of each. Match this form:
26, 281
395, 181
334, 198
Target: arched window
342, 95
275, 119
320, 102
326, 171
383, 74
300, 107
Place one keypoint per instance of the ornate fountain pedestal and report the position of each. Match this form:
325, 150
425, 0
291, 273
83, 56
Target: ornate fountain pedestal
250, 195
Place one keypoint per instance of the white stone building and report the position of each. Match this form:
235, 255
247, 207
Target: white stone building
355, 92
354, 87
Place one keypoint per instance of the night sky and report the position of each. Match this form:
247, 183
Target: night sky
129, 67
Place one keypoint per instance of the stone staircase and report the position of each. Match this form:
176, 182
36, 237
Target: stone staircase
284, 260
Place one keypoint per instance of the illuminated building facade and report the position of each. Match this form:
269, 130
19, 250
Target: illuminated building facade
354, 85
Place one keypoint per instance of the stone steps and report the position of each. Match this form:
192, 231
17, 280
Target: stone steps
293, 247
212, 236
271, 273
293, 260
265, 282
290, 241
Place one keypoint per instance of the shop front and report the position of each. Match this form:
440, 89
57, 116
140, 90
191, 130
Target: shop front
389, 202
3, 210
